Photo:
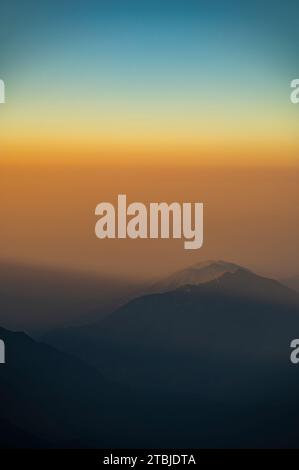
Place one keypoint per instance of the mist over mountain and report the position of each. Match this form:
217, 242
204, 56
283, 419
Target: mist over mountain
34, 298
41, 391
223, 331
51, 399
202, 365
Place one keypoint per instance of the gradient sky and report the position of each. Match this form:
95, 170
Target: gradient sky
149, 80
162, 100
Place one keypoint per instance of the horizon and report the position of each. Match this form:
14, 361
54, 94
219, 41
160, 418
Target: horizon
101, 275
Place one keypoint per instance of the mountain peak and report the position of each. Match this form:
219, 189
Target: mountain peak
219, 265
199, 273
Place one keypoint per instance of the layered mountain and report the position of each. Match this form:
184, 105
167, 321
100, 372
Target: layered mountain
51, 399
205, 364
224, 331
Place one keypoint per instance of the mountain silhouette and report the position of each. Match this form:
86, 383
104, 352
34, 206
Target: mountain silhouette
240, 320
211, 361
203, 365
50, 399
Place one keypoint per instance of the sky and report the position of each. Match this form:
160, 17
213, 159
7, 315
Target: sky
147, 80
172, 100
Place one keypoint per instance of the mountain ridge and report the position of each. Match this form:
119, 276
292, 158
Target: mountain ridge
198, 273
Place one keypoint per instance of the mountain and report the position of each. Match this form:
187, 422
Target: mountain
239, 322
291, 282
215, 355
198, 273
50, 399
204, 365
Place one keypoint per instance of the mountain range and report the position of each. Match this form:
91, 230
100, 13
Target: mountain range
205, 363
238, 318
50, 399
